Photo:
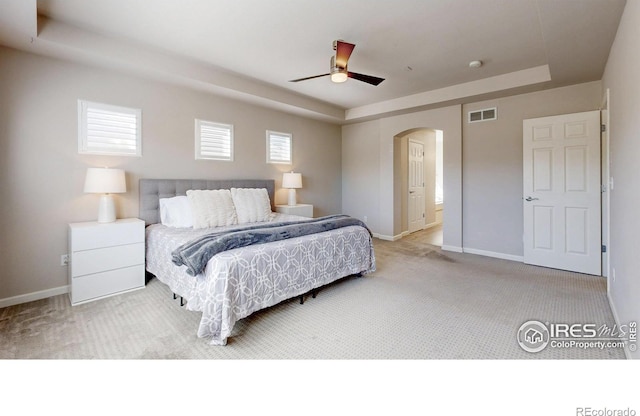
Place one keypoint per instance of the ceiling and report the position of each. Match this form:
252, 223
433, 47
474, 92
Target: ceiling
250, 49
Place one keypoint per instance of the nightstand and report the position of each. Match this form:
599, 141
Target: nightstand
303, 210
105, 259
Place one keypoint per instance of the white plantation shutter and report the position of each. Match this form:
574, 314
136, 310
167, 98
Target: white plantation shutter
108, 129
214, 140
278, 147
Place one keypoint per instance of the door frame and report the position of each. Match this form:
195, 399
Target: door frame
605, 118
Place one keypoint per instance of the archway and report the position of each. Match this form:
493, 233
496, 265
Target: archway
430, 142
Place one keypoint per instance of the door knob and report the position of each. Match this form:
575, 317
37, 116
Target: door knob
531, 199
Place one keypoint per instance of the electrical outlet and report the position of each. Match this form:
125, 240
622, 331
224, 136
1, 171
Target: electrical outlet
64, 260
365, 218
614, 274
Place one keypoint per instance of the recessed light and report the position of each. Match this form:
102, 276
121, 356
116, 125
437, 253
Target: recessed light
475, 64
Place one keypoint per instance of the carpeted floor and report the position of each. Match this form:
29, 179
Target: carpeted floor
421, 303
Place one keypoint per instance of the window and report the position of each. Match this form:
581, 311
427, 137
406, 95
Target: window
278, 147
214, 141
439, 169
109, 129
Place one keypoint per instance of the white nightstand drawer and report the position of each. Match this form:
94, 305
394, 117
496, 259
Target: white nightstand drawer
105, 258
303, 210
109, 258
93, 286
91, 235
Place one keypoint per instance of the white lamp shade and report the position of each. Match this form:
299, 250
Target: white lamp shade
292, 180
105, 181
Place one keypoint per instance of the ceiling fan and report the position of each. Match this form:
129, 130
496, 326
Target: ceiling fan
339, 72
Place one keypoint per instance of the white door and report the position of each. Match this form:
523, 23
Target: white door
561, 158
416, 186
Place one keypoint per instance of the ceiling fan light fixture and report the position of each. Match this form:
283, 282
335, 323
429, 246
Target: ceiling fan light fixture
339, 76
338, 70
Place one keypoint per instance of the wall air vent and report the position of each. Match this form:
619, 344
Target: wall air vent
483, 115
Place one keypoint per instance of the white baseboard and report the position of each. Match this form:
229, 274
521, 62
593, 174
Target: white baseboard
387, 237
627, 353
433, 224
457, 249
30, 297
404, 233
502, 256
452, 248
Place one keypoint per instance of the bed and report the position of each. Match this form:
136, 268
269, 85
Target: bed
234, 283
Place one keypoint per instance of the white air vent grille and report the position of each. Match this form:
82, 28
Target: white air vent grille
483, 115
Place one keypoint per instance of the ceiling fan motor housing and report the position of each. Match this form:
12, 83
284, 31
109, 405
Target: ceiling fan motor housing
336, 67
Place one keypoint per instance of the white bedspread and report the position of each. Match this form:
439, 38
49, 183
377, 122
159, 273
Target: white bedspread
239, 282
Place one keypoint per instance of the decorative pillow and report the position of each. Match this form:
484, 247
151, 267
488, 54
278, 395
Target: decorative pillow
252, 204
212, 208
176, 212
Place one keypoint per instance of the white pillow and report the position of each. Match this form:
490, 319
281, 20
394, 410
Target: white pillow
252, 204
212, 208
176, 212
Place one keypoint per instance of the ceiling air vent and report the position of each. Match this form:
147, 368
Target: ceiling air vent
483, 115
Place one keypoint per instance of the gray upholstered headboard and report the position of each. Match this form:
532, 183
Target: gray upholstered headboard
151, 190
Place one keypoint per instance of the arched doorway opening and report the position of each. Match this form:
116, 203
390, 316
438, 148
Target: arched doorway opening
418, 179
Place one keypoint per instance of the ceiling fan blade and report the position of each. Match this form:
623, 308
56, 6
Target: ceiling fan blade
306, 78
343, 52
365, 78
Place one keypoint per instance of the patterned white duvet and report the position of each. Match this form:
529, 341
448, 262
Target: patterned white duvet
241, 281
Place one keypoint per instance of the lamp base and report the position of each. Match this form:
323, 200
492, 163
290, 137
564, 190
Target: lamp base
292, 197
107, 209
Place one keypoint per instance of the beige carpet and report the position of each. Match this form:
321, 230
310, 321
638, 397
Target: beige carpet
421, 303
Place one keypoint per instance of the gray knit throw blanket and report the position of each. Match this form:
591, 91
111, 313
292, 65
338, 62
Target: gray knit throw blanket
197, 253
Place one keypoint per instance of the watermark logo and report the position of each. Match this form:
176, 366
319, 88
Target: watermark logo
590, 411
534, 336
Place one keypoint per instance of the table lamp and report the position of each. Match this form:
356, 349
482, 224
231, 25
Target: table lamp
292, 181
105, 181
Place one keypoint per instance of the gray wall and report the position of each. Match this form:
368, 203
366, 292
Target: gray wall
42, 174
361, 172
492, 164
482, 168
622, 78
368, 180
